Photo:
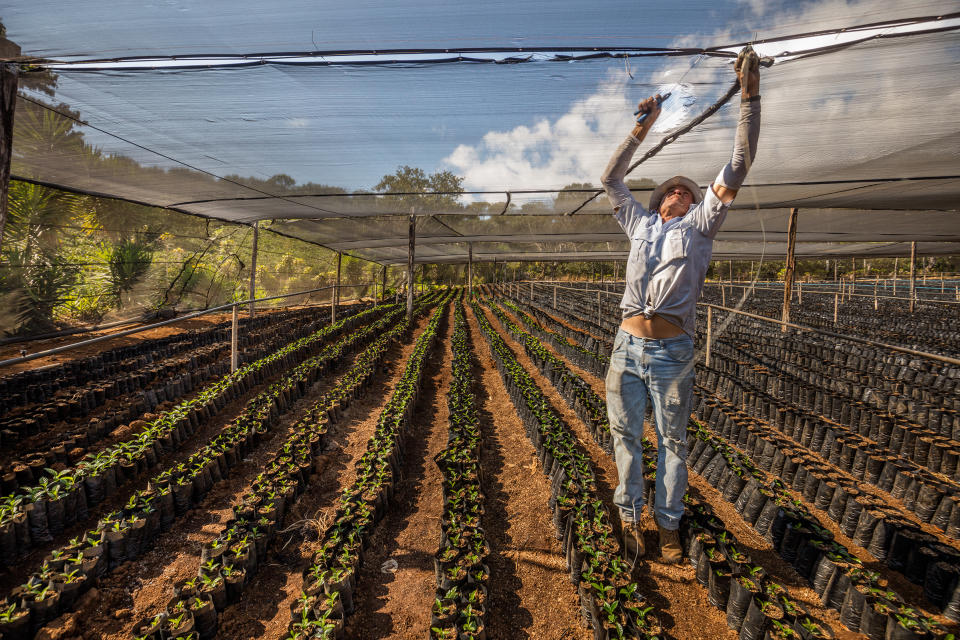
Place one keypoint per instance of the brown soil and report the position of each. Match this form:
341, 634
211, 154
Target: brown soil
530, 593
142, 588
396, 604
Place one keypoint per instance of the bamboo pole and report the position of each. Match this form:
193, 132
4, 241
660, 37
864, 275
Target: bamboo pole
8, 102
253, 267
913, 275
709, 332
470, 270
234, 339
791, 267
411, 245
335, 294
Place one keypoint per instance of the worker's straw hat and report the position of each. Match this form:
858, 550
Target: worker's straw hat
662, 188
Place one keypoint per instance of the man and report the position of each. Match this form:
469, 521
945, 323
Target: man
670, 248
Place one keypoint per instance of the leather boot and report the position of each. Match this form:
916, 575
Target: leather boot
633, 548
670, 550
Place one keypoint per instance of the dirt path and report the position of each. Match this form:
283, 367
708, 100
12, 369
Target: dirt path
397, 604
144, 587
530, 595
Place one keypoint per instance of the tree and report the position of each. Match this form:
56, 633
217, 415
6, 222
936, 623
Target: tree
421, 193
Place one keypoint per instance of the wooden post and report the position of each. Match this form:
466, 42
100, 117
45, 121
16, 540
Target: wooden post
8, 103
335, 294
470, 269
709, 332
800, 293
234, 339
411, 246
598, 307
723, 295
730, 264
253, 266
876, 283
531, 292
836, 304
791, 267
913, 275
896, 265
554, 296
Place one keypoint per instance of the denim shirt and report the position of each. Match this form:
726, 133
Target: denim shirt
668, 260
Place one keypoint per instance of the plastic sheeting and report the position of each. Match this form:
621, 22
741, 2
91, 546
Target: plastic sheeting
862, 139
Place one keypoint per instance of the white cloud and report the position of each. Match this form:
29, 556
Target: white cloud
813, 123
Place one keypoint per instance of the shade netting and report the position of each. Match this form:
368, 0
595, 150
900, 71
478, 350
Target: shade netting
294, 112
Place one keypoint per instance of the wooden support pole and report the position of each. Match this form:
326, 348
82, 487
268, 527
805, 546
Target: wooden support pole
723, 294
470, 270
411, 247
598, 308
896, 266
253, 266
730, 264
235, 339
709, 332
8, 101
791, 267
335, 295
836, 306
554, 296
913, 275
531, 292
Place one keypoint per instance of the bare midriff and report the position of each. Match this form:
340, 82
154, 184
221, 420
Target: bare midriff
654, 327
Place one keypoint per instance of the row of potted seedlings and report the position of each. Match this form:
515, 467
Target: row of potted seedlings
595, 363
867, 519
578, 394
30, 434
229, 562
124, 534
756, 607
913, 419
134, 393
34, 516
35, 385
573, 310
611, 602
928, 444
331, 579
579, 337
144, 377
927, 327
461, 571
862, 597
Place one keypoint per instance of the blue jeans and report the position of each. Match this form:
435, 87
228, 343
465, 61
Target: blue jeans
663, 369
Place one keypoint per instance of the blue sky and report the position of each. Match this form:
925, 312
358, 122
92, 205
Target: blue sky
501, 126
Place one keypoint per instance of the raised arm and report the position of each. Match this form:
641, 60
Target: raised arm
731, 177
612, 178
